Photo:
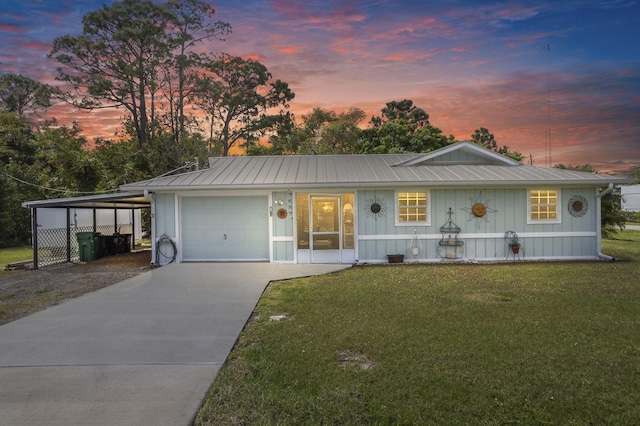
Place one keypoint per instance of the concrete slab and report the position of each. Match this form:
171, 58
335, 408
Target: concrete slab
140, 352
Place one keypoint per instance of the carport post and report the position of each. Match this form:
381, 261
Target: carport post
68, 235
132, 242
94, 221
34, 236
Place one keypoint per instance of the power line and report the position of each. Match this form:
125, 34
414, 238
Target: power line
56, 190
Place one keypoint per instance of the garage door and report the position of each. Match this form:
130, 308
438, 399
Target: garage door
225, 228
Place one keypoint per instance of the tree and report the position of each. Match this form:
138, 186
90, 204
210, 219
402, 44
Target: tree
613, 218
400, 136
16, 139
192, 24
402, 110
142, 57
588, 168
326, 132
17, 154
22, 95
484, 138
63, 160
403, 127
237, 95
116, 60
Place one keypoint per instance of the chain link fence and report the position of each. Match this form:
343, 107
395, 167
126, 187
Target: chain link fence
57, 247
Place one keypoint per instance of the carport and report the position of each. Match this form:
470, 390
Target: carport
108, 214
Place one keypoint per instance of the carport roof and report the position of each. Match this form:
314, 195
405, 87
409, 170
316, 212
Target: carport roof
120, 200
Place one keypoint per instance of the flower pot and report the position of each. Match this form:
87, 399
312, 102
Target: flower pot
515, 249
395, 258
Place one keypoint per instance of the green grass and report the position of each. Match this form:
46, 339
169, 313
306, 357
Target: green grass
14, 254
527, 343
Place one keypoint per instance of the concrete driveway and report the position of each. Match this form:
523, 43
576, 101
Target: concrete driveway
141, 352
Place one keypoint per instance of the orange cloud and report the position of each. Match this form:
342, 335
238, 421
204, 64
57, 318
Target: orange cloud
288, 50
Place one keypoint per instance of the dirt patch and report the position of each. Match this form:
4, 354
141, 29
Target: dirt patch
24, 292
347, 358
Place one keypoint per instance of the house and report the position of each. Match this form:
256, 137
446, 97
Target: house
455, 203
630, 198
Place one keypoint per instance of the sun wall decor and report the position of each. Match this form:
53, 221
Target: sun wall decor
478, 210
375, 207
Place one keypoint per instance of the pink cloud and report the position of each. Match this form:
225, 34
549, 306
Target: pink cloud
288, 50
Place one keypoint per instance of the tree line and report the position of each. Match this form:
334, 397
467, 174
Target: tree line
178, 102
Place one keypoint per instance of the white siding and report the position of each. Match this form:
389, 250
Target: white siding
631, 198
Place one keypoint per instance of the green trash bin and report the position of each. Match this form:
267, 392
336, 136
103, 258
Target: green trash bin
88, 245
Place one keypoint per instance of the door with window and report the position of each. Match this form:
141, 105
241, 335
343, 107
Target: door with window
325, 228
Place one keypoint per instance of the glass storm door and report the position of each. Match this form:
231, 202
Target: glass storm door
325, 229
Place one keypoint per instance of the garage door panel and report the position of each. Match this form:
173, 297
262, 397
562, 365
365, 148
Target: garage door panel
243, 220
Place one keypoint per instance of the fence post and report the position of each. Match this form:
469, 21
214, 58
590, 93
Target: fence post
68, 235
133, 229
34, 237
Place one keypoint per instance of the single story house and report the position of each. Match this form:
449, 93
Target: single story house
461, 202
630, 198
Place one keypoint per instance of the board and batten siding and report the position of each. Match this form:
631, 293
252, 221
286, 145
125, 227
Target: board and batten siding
573, 237
165, 214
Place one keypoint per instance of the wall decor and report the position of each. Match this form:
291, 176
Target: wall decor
282, 213
375, 207
577, 206
478, 210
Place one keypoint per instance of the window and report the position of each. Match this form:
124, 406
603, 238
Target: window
543, 206
412, 207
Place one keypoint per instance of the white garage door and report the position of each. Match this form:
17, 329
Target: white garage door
225, 228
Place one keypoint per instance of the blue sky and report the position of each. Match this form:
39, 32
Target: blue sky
469, 64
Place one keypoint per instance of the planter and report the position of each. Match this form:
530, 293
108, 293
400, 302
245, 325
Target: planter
515, 249
395, 258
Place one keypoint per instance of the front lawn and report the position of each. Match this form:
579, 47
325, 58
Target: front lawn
519, 343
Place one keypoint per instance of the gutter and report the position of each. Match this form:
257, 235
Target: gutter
599, 222
153, 224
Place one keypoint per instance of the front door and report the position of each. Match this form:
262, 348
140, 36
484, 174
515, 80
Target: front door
325, 229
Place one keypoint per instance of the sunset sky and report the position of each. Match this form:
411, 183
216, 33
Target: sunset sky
517, 68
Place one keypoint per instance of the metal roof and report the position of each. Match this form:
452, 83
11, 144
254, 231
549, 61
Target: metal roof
382, 170
121, 200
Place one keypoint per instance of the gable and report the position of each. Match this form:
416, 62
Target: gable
461, 153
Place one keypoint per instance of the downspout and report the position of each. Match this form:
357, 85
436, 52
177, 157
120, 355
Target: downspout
599, 222
153, 225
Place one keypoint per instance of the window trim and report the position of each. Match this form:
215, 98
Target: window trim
558, 219
427, 193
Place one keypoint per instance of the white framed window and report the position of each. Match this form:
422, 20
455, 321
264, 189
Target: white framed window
413, 208
543, 206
